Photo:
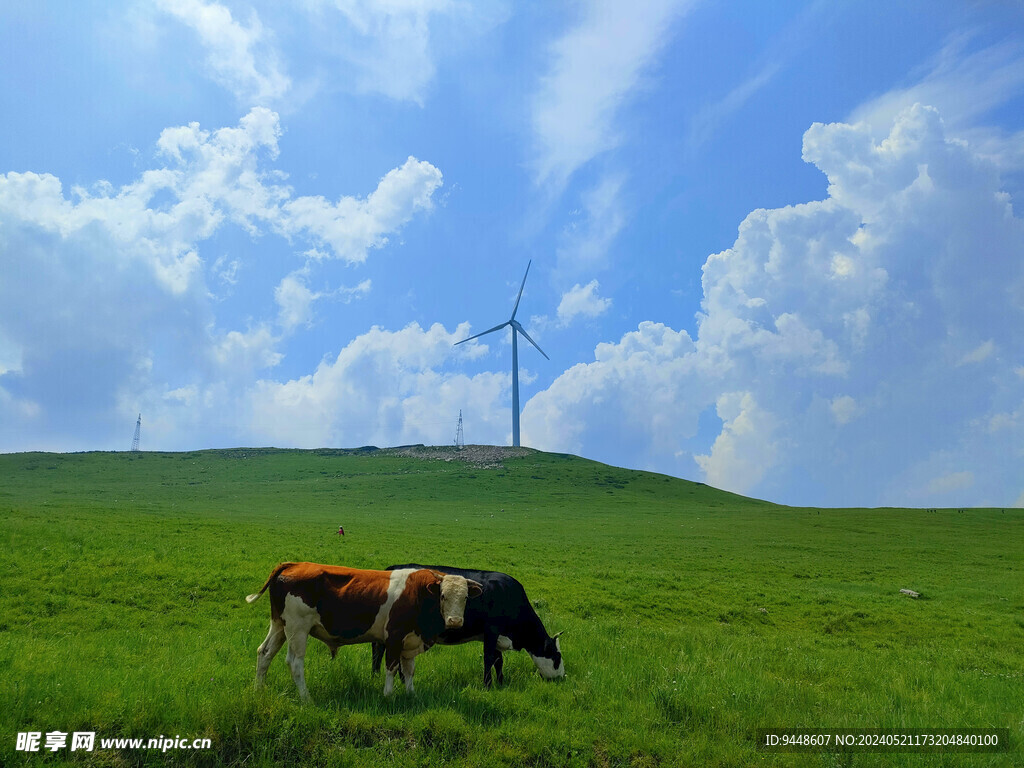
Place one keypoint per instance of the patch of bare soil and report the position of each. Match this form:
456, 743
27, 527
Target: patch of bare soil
483, 456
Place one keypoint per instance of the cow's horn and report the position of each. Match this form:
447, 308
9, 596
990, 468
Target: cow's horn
555, 636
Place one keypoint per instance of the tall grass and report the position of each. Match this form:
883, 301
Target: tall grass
692, 618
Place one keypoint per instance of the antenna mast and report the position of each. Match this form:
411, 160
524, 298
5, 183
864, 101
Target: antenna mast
460, 442
138, 432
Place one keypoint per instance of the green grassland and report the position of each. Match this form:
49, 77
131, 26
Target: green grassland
691, 617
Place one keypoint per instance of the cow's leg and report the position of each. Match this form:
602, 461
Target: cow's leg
498, 663
378, 656
297, 661
492, 657
408, 670
392, 661
268, 650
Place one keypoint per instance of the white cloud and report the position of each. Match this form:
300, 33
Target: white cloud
706, 121
807, 24
110, 299
964, 85
351, 227
582, 301
979, 354
241, 353
227, 271
955, 481
10, 355
586, 242
384, 388
844, 409
356, 292
294, 300
212, 177
639, 395
597, 66
392, 47
825, 326
743, 452
395, 56
239, 57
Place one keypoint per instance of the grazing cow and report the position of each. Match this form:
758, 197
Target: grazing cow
404, 610
503, 619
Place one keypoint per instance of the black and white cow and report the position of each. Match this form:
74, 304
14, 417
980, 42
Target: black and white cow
503, 619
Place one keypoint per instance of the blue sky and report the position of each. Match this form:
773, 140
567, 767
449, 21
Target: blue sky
776, 247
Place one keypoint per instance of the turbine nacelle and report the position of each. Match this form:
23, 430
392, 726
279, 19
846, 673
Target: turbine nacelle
517, 327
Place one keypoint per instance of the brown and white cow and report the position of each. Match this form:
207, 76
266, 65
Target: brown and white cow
404, 609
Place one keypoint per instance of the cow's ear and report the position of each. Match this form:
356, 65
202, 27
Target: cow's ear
475, 588
434, 588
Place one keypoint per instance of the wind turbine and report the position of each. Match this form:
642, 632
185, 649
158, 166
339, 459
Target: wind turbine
516, 330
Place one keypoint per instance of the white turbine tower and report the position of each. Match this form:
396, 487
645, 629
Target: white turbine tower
516, 330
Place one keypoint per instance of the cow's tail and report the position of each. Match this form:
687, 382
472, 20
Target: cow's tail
273, 575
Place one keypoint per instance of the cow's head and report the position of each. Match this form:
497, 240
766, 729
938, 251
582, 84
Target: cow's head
549, 660
454, 592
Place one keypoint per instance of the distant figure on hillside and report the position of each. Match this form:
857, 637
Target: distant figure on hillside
341, 531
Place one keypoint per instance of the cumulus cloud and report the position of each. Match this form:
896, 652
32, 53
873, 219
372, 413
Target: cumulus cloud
384, 388
582, 301
743, 452
295, 299
105, 303
964, 83
351, 227
212, 177
638, 394
239, 57
596, 66
826, 325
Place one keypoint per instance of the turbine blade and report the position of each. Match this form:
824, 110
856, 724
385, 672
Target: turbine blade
519, 328
492, 330
521, 286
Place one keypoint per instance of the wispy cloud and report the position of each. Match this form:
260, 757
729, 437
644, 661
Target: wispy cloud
781, 50
586, 241
393, 46
239, 56
707, 120
963, 84
597, 66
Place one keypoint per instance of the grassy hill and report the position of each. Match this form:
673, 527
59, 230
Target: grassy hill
691, 617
